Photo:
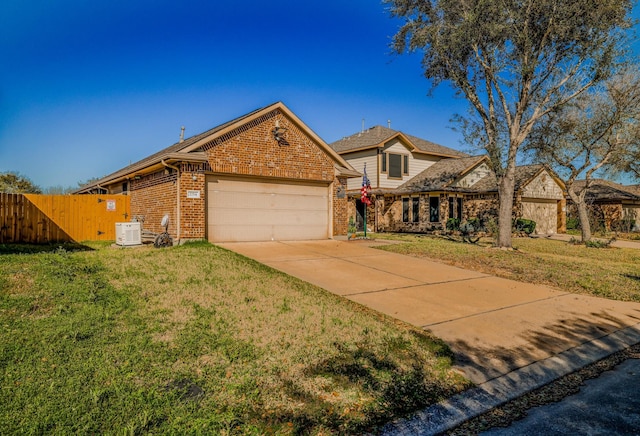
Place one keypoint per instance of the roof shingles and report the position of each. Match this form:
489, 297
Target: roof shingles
376, 136
440, 175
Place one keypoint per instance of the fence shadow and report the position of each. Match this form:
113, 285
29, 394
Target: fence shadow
41, 248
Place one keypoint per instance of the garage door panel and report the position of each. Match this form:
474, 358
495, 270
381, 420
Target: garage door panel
228, 185
227, 217
246, 210
544, 213
253, 200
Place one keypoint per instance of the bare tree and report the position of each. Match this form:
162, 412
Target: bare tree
515, 62
595, 132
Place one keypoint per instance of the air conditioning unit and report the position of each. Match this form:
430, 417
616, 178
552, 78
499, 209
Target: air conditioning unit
128, 234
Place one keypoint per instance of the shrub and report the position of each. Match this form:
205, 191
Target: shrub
573, 223
352, 225
475, 223
491, 225
524, 225
453, 224
598, 243
467, 228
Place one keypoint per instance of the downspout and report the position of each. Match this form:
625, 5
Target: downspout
101, 188
177, 197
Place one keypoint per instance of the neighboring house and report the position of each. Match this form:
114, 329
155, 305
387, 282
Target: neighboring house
263, 176
390, 157
449, 184
613, 206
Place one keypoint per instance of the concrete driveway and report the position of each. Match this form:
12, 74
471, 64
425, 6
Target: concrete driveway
493, 325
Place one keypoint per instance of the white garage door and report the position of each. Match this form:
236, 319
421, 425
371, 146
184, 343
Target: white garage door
258, 210
544, 213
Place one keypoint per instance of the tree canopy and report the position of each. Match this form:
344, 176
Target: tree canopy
515, 62
14, 183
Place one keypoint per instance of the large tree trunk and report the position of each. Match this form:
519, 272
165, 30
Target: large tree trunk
583, 213
505, 195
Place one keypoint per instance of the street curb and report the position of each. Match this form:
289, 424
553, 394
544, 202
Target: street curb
478, 400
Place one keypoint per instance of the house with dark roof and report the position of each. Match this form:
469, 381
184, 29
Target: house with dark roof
430, 183
613, 206
259, 177
390, 157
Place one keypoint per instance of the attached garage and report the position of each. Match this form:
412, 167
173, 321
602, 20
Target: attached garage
543, 212
248, 209
263, 176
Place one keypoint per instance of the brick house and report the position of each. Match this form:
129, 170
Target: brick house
613, 206
390, 158
262, 176
447, 184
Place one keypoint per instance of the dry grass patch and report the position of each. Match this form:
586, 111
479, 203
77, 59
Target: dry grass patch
199, 339
604, 272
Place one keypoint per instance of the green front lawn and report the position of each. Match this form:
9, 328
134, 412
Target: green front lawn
604, 272
196, 339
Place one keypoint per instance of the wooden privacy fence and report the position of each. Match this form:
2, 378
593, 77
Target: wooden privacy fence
34, 218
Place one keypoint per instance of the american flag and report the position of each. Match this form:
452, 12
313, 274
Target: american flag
366, 187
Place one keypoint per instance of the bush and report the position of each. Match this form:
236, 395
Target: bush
526, 226
573, 223
475, 223
467, 228
598, 243
352, 226
453, 224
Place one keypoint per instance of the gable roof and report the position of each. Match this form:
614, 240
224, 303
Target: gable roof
441, 175
602, 190
523, 175
377, 136
192, 149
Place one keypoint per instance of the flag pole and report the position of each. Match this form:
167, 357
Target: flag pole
365, 221
364, 196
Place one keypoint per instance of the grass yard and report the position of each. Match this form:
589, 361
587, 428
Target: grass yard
196, 339
603, 272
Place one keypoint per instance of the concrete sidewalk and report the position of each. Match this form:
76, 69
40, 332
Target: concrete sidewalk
508, 337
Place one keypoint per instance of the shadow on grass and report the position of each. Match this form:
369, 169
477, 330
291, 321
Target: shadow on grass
397, 389
632, 276
41, 248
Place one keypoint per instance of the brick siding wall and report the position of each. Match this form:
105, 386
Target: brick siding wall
193, 214
255, 152
340, 207
152, 197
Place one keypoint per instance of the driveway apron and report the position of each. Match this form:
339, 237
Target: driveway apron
493, 325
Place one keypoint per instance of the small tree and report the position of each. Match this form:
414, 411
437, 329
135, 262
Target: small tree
515, 62
592, 133
14, 183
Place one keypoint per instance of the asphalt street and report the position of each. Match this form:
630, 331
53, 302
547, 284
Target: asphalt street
607, 405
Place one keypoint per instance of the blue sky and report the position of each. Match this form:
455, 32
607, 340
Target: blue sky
88, 87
